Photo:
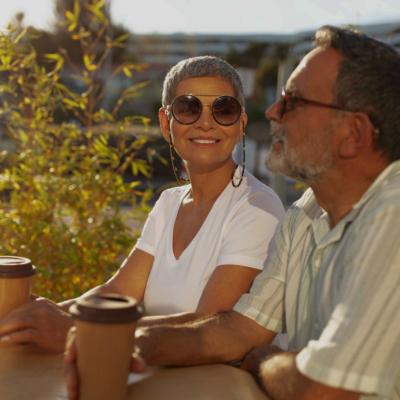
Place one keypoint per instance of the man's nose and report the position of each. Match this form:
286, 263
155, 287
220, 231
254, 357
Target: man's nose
273, 112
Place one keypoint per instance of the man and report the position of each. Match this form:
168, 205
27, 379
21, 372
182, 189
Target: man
332, 280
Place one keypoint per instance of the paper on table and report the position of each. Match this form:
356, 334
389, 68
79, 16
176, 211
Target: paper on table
134, 377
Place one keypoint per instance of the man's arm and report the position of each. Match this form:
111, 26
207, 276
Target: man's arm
220, 337
283, 381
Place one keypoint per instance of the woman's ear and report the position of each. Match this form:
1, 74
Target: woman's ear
164, 123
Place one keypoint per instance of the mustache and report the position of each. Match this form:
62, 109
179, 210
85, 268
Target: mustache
277, 132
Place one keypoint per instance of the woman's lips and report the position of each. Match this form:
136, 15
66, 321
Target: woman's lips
204, 141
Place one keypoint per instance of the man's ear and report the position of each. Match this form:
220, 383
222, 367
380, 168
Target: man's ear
164, 123
360, 135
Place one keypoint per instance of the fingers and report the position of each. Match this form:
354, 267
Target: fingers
71, 381
40, 321
70, 366
137, 363
250, 364
14, 321
22, 319
21, 336
255, 357
70, 346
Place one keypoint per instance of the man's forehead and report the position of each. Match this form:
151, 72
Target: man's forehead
317, 68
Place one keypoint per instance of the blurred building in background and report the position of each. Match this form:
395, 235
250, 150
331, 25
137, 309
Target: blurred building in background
263, 61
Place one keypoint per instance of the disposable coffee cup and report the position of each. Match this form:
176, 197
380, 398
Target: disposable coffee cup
105, 328
15, 282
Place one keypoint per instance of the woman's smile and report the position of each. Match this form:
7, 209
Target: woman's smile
204, 141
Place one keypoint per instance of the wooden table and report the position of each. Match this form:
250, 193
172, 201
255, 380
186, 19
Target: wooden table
28, 374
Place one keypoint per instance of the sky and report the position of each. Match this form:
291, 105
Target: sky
221, 16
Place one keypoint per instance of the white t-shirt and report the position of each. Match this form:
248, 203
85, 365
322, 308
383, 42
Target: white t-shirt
237, 230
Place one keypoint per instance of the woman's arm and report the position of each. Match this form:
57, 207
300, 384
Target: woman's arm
225, 286
129, 280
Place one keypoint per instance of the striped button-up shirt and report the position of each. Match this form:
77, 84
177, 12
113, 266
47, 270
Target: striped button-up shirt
336, 292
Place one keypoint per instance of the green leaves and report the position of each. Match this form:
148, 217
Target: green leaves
96, 8
58, 60
67, 187
73, 17
88, 61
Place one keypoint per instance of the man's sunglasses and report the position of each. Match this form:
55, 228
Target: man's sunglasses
187, 109
288, 102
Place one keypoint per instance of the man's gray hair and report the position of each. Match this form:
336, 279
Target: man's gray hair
200, 67
369, 81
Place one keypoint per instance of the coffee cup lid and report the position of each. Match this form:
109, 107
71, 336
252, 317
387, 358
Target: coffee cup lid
107, 308
16, 267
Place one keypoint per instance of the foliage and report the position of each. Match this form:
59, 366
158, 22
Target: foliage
63, 190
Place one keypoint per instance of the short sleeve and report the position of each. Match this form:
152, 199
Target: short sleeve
359, 348
248, 233
265, 301
153, 225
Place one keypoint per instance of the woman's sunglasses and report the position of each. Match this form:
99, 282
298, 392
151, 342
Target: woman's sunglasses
187, 109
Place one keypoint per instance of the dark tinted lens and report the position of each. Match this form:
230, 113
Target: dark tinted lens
282, 106
186, 109
226, 110
288, 103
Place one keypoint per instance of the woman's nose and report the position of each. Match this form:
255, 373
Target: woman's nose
206, 118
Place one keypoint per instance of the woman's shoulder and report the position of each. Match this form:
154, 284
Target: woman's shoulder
255, 188
254, 193
173, 194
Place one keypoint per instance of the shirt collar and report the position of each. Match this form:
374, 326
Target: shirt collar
320, 223
385, 176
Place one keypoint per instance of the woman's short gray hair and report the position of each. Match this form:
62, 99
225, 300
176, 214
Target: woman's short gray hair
199, 67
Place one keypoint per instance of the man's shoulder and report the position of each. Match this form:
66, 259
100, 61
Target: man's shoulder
300, 216
306, 205
386, 194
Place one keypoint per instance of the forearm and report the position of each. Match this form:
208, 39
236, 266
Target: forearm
221, 337
167, 319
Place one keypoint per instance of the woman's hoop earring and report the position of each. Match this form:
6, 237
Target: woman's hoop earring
172, 152
235, 182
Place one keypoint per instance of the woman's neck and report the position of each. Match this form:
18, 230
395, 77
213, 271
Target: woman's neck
207, 186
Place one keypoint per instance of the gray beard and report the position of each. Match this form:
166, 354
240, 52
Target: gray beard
300, 164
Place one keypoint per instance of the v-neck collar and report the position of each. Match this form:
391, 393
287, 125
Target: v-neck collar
185, 251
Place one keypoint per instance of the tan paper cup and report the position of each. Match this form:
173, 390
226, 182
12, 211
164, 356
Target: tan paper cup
15, 282
105, 327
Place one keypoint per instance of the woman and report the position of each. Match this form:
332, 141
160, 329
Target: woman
204, 242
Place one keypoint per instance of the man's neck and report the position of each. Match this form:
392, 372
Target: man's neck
342, 189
